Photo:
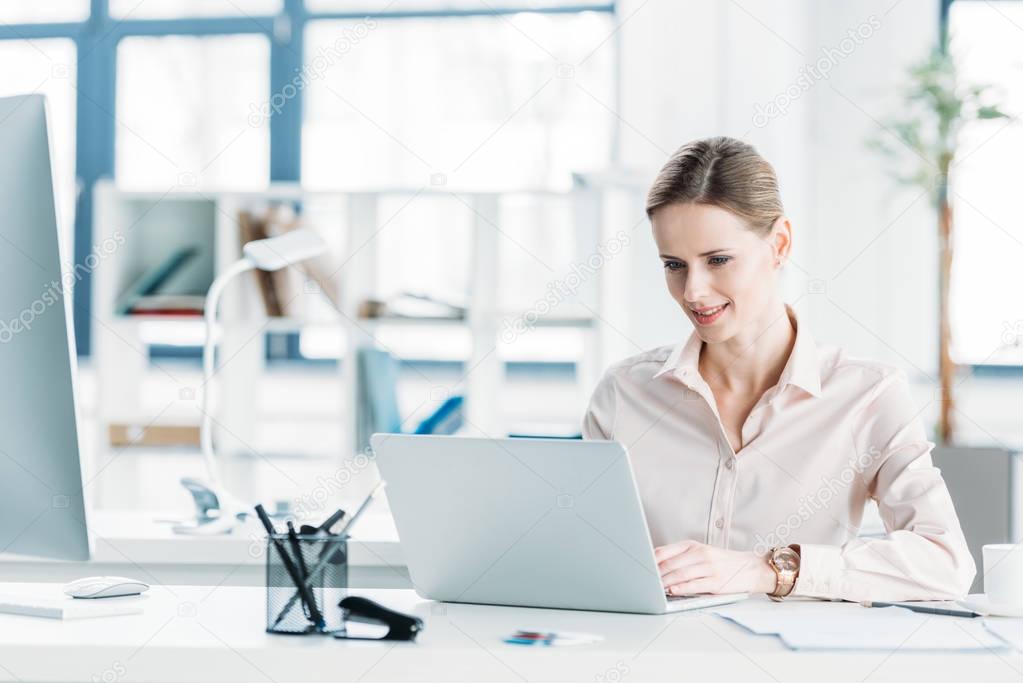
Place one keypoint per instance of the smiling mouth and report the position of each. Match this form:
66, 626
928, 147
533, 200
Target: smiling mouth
707, 316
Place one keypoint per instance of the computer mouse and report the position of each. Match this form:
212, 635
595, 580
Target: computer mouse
104, 587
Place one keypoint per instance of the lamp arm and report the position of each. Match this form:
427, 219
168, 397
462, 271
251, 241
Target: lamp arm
208, 364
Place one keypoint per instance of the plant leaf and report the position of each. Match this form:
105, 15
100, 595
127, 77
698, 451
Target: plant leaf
991, 112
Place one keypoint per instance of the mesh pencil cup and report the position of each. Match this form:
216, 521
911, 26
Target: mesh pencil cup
324, 561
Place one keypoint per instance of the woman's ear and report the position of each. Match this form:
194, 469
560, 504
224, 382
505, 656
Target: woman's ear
780, 239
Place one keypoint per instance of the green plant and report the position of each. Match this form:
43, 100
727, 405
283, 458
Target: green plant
922, 142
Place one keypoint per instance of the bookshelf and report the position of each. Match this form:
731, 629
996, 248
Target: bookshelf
153, 224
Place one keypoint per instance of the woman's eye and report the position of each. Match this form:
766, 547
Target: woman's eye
673, 265
718, 260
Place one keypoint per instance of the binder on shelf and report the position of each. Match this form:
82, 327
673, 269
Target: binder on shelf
153, 279
126, 435
410, 305
169, 304
252, 228
282, 289
320, 269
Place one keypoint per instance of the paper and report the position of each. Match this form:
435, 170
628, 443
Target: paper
66, 608
819, 625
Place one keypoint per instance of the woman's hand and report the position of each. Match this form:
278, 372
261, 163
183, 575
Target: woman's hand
690, 567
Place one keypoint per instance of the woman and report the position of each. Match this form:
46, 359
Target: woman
755, 450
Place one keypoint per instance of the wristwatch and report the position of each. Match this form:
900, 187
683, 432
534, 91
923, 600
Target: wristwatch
784, 560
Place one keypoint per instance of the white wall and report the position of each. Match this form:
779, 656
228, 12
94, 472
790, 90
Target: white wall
878, 247
692, 68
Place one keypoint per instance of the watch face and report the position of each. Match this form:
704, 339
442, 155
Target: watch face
786, 559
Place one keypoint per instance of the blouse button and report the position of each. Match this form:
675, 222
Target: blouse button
720, 523
730, 463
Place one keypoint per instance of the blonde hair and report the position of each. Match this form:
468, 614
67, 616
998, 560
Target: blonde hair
723, 172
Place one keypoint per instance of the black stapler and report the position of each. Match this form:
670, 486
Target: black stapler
399, 626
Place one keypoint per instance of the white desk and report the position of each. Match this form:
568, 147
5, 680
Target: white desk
193, 633
136, 544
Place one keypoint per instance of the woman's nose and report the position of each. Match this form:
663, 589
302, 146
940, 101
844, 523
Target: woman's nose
696, 285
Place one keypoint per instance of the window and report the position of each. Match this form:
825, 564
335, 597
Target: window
48, 67
411, 103
193, 88
173, 9
14, 12
403, 102
412, 5
987, 43
184, 112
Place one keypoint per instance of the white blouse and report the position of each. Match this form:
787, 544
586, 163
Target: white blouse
832, 433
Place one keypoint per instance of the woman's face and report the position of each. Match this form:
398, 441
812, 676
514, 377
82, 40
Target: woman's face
718, 270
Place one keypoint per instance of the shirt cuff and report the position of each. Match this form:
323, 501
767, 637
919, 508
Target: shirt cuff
821, 572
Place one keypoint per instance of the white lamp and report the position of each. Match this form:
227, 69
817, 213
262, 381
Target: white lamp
269, 254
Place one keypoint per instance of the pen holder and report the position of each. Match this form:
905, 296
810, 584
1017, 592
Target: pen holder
324, 561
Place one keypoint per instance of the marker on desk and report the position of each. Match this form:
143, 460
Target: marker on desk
926, 609
331, 521
322, 529
549, 638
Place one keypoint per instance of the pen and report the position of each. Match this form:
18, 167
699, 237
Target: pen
362, 508
322, 529
331, 521
926, 609
289, 566
296, 547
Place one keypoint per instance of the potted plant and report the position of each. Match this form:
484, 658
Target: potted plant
936, 108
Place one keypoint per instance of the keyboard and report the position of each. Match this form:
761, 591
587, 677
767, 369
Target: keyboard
679, 603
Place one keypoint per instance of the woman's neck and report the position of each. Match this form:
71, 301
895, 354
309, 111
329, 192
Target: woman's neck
751, 361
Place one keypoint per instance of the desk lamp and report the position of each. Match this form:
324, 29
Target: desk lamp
269, 254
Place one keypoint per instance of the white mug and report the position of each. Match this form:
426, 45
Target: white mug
1003, 574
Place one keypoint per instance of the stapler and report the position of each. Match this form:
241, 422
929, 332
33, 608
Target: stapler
399, 626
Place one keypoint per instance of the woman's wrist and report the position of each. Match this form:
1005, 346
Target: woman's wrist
765, 579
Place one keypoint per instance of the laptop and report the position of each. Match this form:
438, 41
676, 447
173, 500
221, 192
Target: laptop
526, 522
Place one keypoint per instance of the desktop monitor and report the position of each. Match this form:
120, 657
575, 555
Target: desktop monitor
42, 511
